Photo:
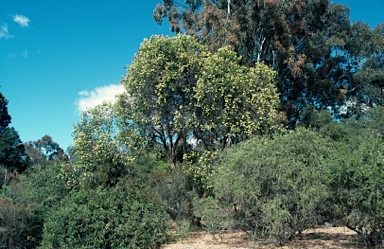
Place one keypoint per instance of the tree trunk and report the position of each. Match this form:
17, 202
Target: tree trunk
229, 8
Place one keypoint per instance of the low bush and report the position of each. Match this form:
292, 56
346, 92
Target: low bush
120, 217
278, 186
358, 183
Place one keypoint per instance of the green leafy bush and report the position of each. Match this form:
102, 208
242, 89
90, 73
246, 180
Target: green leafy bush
358, 180
278, 186
214, 216
119, 217
25, 202
199, 168
13, 224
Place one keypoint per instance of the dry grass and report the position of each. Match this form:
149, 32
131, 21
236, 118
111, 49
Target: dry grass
319, 238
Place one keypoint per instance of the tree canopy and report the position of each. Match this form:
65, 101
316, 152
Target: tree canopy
234, 102
159, 84
44, 150
177, 92
101, 157
312, 45
12, 154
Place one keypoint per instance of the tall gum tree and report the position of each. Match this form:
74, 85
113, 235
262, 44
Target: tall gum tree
311, 44
44, 150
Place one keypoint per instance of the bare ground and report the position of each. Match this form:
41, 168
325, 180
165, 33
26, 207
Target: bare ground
318, 238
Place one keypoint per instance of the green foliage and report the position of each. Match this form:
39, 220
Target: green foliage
357, 178
199, 168
25, 202
321, 58
42, 186
177, 91
12, 154
234, 102
278, 185
149, 166
101, 155
359, 188
124, 216
350, 130
374, 119
214, 216
173, 189
183, 229
13, 226
159, 86
5, 118
44, 150
315, 119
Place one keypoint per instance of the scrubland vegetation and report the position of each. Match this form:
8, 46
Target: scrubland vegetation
264, 116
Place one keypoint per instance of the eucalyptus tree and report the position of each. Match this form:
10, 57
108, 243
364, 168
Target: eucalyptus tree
369, 80
45, 150
312, 45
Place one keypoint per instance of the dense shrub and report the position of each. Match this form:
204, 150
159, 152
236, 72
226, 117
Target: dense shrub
278, 186
214, 215
25, 202
119, 217
358, 180
13, 224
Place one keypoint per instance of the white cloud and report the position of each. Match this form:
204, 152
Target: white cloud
90, 99
4, 33
23, 21
83, 93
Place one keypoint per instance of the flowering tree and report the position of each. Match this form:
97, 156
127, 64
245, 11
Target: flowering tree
177, 90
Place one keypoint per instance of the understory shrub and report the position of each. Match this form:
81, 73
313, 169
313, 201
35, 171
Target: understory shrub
277, 187
213, 214
358, 182
124, 216
25, 202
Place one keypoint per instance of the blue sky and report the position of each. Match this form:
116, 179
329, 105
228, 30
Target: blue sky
59, 56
